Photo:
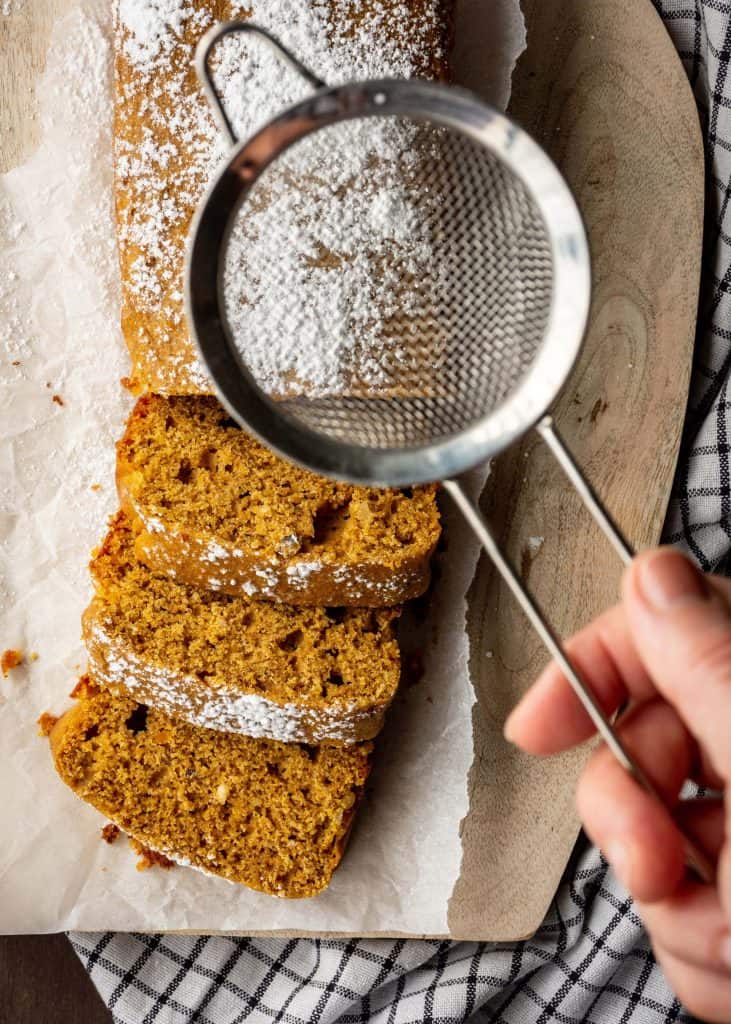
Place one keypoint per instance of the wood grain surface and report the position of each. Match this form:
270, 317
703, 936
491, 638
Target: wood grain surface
24, 35
601, 87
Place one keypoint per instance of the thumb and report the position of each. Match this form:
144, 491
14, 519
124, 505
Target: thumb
681, 626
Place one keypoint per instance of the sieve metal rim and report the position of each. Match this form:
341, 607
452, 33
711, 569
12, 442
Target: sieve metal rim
253, 409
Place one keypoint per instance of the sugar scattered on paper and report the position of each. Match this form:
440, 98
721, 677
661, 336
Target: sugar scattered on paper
59, 331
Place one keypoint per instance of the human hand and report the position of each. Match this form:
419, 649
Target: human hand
666, 648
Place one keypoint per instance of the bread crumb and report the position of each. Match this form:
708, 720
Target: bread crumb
150, 858
95, 487
110, 832
85, 689
57, 399
222, 793
48, 384
33, 656
131, 384
46, 722
16, 362
9, 660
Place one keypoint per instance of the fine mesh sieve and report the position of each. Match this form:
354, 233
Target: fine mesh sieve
472, 292
440, 344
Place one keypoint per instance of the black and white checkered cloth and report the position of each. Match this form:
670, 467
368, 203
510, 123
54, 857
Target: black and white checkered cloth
590, 962
699, 517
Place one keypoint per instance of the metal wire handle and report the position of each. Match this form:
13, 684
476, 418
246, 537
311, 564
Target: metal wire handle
695, 857
205, 48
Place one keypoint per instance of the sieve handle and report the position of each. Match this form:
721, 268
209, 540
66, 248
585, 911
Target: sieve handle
205, 48
695, 857
547, 430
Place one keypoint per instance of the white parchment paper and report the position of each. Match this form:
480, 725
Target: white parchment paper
59, 315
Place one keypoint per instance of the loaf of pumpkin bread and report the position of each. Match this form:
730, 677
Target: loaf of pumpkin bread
167, 149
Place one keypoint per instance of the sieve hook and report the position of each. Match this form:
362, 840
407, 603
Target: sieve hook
207, 44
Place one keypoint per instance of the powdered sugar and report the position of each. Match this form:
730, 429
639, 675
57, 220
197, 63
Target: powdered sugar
152, 26
285, 577
300, 571
166, 134
330, 275
223, 709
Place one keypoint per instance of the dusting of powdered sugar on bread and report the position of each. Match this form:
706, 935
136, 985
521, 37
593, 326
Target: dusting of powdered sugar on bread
373, 244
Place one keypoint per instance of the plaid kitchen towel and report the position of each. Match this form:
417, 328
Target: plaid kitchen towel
699, 517
590, 962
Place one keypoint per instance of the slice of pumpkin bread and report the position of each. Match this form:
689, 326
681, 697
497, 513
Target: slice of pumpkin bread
274, 816
231, 663
216, 509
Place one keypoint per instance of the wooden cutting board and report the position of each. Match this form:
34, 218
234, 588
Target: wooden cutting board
601, 86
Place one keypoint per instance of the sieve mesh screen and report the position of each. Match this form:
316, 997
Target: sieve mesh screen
389, 282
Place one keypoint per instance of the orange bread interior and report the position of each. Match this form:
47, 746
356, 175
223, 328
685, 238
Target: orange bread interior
270, 815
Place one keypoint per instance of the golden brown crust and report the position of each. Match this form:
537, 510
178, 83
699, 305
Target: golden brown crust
84, 688
215, 509
150, 858
46, 723
156, 334
273, 816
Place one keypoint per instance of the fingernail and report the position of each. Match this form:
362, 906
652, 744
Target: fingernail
724, 950
668, 578
619, 855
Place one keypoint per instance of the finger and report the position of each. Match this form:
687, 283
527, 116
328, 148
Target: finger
681, 625
634, 828
550, 717
724, 872
705, 993
692, 926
